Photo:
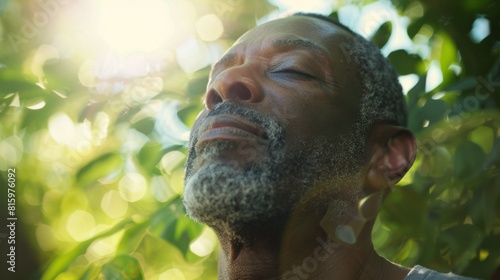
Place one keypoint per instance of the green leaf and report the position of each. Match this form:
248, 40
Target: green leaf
404, 210
132, 238
145, 126
172, 225
99, 168
475, 6
462, 241
162, 218
197, 85
432, 112
483, 206
437, 163
448, 56
91, 273
149, 156
182, 232
123, 267
382, 35
484, 137
60, 74
62, 262
334, 15
404, 62
166, 215
13, 80
461, 85
415, 93
415, 26
469, 160
188, 114
493, 158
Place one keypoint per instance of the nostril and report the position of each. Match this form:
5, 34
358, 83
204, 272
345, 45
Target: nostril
240, 92
212, 99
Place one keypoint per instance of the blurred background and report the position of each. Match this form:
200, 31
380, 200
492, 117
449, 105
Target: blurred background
97, 98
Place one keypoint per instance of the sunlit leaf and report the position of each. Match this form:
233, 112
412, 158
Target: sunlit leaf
123, 267
483, 136
449, 56
131, 238
61, 262
181, 232
14, 80
99, 168
188, 114
149, 156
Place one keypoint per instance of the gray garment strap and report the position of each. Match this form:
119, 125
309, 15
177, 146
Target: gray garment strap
422, 273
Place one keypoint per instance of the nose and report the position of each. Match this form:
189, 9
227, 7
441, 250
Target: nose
238, 84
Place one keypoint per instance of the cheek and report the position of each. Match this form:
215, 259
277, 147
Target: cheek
312, 117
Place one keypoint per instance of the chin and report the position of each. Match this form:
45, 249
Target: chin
220, 193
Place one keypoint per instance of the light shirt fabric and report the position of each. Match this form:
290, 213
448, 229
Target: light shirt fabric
422, 273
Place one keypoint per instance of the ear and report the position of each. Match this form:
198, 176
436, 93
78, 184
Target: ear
391, 151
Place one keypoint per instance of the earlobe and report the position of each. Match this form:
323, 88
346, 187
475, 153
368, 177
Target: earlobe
391, 152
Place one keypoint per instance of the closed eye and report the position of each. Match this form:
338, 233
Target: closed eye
294, 72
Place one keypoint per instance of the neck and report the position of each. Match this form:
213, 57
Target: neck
301, 249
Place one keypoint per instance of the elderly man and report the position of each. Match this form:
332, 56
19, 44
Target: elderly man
302, 135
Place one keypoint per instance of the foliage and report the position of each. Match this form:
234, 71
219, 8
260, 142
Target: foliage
99, 157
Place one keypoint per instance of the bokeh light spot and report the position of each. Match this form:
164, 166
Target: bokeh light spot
171, 160
192, 55
132, 187
434, 76
204, 244
80, 225
42, 55
113, 204
61, 128
172, 274
160, 189
133, 25
408, 82
480, 29
209, 27
35, 104
11, 152
103, 247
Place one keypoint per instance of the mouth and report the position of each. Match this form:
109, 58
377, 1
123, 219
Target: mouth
230, 127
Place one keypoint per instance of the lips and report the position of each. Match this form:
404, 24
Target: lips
229, 127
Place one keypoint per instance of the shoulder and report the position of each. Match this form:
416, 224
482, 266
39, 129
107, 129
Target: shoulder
422, 273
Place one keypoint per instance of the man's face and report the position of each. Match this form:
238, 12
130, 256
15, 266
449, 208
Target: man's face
280, 109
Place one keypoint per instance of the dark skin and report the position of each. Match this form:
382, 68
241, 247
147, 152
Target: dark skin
296, 65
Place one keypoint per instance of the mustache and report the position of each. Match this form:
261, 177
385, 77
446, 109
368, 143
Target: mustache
241, 111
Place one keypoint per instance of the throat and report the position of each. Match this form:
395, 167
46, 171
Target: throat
254, 253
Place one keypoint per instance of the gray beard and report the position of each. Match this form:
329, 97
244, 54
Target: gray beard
227, 195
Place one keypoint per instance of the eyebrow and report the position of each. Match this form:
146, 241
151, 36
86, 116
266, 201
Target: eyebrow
284, 43
296, 43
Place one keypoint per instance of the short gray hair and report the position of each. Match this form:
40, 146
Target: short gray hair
382, 99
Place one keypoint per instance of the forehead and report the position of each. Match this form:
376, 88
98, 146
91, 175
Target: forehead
308, 29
